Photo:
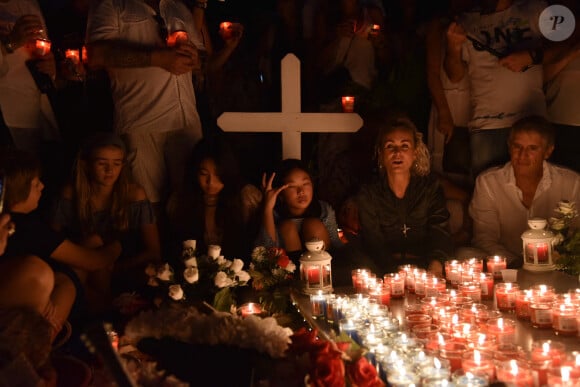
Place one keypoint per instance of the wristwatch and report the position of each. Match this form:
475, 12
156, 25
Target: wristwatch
200, 4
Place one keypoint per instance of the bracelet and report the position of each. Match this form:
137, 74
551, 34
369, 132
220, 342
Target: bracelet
200, 4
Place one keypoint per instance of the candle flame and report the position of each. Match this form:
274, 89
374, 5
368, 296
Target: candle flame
565, 373
513, 367
577, 360
466, 329
440, 339
543, 289
500, 323
437, 363
453, 293
546, 348
455, 319
476, 357
481, 338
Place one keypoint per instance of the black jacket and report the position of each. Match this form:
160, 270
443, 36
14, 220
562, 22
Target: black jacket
411, 230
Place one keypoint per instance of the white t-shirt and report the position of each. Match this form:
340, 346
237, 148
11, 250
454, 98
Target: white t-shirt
563, 95
147, 99
499, 96
23, 106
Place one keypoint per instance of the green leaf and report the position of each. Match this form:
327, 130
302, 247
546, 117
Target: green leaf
223, 300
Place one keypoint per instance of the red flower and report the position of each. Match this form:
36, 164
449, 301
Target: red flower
304, 340
328, 370
283, 261
363, 374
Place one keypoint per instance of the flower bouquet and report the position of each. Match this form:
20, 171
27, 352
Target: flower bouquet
567, 242
210, 278
272, 273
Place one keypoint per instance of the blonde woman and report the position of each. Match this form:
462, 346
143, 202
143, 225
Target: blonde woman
402, 214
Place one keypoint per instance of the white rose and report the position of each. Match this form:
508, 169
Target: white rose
221, 279
191, 275
557, 224
291, 267
151, 270
165, 273
190, 262
189, 244
243, 276
176, 292
237, 265
214, 251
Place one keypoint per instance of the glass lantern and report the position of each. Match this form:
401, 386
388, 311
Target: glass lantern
537, 246
315, 270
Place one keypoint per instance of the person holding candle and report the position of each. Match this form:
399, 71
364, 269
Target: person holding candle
292, 213
402, 214
527, 186
101, 203
151, 85
26, 108
215, 205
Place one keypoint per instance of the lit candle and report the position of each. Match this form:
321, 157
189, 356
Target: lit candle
564, 376
382, 293
540, 313
313, 275
375, 29
417, 319
435, 368
318, 304
250, 308
226, 30
523, 304
471, 290
397, 283
453, 352
73, 56
505, 294
503, 330
564, 319
495, 264
486, 284
42, 47
434, 286
511, 372
348, 104
477, 361
548, 350
114, 339
348, 327
176, 38
469, 379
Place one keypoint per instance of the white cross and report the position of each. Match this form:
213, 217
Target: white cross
290, 122
404, 229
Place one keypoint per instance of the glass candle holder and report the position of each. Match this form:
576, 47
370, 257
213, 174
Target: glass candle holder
359, 279
505, 295
435, 367
540, 313
470, 313
516, 373
453, 352
417, 319
434, 286
504, 330
382, 293
462, 378
564, 319
554, 351
422, 331
481, 342
495, 264
477, 361
564, 376
486, 282
397, 283
509, 351
474, 263
471, 290
523, 298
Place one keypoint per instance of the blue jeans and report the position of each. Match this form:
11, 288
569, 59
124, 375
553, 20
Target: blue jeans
488, 148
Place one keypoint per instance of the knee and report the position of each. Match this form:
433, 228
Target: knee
287, 227
35, 274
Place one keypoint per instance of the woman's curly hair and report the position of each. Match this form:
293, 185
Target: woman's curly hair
422, 164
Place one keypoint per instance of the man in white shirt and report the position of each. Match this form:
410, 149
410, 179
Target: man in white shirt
152, 88
527, 186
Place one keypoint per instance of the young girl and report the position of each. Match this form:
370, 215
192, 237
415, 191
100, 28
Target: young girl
101, 204
292, 214
215, 206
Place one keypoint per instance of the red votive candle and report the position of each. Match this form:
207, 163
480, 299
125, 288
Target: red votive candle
540, 313
479, 361
177, 37
249, 308
503, 330
397, 283
453, 351
564, 319
42, 47
523, 299
495, 264
73, 55
548, 350
515, 373
486, 284
471, 290
348, 104
505, 295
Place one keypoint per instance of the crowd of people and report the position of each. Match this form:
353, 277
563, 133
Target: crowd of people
124, 136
